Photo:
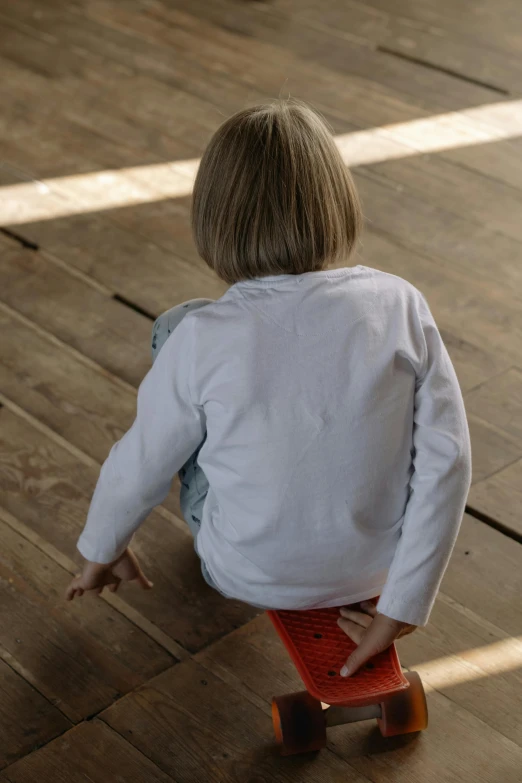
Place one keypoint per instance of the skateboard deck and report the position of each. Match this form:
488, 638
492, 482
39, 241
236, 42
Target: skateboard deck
319, 648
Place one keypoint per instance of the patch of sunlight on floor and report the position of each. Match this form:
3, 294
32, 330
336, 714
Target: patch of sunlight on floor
32, 201
475, 664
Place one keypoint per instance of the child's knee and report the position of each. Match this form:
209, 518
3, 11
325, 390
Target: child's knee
167, 322
160, 332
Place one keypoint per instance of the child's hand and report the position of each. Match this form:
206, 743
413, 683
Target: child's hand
371, 631
96, 576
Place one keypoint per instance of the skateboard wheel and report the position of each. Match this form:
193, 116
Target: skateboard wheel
299, 723
405, 712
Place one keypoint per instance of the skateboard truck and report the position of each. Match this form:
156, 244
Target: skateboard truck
319, 648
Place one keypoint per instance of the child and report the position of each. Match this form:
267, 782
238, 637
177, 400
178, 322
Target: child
313, 414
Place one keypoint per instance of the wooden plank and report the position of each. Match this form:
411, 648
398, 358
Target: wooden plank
360, 103
450, 187
492, 448
488, 27
354, 112
67, 392
197, 727
440, 233
500, 402
500, 496
89, 752
252, 26
63, 150
132, 50
80, 657
250, 49
123, 261
89, 408
102, 103
499, 161
454, 52
484, 576
118, 57
112, 335
61, 146
435, 42
49, 483
113, 599
27, 719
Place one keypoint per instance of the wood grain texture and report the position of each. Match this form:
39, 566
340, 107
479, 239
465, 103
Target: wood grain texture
440, 233
61, 387
500, 402
484, 576
80, 656
500, 496
101, 86
87, 407
435, 42
81, 315
121, 259
27, 719
89, 752
49, 487
196, 727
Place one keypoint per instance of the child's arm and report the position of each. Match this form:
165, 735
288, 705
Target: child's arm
439, 488
138, 473
439, 485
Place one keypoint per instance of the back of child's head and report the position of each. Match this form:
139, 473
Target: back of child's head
273, 196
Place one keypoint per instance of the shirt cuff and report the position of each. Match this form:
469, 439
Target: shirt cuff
405, 611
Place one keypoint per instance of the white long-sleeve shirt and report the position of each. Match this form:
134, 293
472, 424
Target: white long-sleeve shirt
337, 447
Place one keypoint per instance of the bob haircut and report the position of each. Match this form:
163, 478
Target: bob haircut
273, 196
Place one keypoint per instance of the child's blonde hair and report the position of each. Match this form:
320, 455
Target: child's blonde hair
273, 196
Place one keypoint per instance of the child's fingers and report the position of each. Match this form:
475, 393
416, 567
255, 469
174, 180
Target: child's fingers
380, 635
360, 618
72, 592
114, 585
354, 631
142, 580
369, 607
72, 589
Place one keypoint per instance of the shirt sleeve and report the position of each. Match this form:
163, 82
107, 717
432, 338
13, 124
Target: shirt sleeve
439, 485
138, 472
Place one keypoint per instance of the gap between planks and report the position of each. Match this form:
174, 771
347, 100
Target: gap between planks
441, 69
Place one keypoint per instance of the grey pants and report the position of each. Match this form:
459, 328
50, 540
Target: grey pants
194, 484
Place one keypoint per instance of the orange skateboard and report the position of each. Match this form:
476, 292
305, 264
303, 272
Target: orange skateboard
319, 648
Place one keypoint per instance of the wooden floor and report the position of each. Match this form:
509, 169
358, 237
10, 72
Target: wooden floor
175, 684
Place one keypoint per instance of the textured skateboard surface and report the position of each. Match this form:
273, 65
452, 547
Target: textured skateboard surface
319, 648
